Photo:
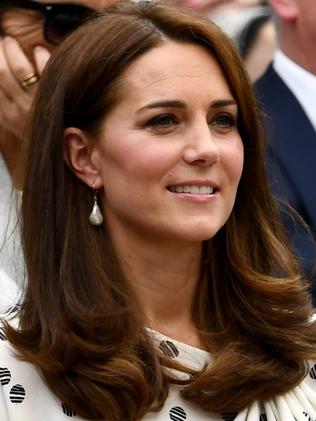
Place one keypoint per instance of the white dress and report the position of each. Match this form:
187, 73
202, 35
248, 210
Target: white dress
11, 260
24, 396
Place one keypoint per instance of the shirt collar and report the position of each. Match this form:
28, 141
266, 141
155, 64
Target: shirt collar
301, 82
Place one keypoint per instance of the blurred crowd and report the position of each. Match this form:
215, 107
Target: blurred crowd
249, 23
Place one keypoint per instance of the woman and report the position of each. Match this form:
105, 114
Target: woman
177, 298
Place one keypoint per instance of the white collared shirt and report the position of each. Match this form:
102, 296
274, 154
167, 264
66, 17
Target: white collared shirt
301, 82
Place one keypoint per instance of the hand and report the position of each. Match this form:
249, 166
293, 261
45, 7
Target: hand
14, 67
92, 4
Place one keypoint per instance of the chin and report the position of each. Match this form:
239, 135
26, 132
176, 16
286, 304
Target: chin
200, 234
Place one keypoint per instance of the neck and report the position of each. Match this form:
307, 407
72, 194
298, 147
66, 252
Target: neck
165, 278
299, 48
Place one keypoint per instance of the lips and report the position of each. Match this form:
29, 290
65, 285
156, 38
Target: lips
192, 189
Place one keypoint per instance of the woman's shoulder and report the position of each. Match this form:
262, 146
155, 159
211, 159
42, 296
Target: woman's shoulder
23, 393
25, 396
299, 404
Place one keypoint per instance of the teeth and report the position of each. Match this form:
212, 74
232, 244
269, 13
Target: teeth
192, 189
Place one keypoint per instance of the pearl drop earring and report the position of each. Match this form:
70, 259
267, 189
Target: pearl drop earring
95, 217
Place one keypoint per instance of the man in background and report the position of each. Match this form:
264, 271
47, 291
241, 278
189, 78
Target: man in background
287, 93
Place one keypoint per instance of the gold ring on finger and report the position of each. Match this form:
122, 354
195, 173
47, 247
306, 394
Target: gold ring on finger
29, 80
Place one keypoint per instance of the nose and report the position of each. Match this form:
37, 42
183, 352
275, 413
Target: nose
201, 148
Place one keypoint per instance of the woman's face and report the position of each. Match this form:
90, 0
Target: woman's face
170, 156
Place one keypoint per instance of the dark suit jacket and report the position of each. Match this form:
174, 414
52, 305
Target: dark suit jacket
291, 162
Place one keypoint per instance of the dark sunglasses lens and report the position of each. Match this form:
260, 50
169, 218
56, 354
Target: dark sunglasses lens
61, 25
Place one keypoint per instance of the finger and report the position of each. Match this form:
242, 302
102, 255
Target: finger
9, 113
55, 1
92, 4
18, 63
8, 83
4, 70
6, 104
15, 101
41, 56
82, 2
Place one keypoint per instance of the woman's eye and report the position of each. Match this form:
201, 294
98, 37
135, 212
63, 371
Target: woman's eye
224, 120
164, 121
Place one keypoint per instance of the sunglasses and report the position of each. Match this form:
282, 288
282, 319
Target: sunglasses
59, 19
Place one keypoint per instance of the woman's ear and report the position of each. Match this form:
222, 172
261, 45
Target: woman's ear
78, 149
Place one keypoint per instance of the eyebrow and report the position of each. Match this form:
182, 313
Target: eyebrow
180, 104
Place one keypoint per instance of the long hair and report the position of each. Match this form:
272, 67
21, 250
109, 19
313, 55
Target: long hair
80, 323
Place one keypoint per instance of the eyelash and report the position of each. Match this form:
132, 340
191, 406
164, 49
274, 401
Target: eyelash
165, 121
158, 121
229, 120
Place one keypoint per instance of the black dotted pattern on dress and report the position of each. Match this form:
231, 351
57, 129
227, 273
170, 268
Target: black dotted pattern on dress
169, 349
312, 372
2, 335
5, 376
17, 393
67, 410
308, 418
177, 414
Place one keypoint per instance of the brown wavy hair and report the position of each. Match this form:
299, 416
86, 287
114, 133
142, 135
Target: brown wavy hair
80, 322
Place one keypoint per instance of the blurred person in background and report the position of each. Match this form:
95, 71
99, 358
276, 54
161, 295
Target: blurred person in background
287, 93
16, 64
257, 43
230, 15
219, 7
29, 32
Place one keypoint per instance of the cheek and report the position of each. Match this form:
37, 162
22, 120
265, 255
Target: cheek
148, 160
234, 161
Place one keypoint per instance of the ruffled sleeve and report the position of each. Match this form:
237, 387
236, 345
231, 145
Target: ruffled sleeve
297, 405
